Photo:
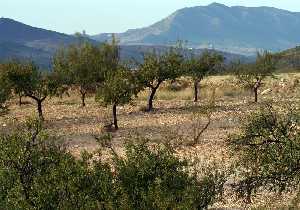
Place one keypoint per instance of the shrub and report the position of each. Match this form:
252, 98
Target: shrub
35, 173
268, 152
156, 179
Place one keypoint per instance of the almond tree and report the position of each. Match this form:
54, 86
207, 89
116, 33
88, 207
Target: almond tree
119, 88
29, 80
16, 73
252, 75
158, 68
80, 65
200, 66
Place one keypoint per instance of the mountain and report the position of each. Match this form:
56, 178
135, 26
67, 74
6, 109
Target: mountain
233, 29
21, 41
13, 31
12, 50
18, 40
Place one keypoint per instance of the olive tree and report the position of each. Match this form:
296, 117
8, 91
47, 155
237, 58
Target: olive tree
199, 66
158, 68
252, 75
31, 82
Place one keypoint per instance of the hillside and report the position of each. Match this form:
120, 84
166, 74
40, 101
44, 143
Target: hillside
14, 31
233, 29
21, 41
18, 40
11, 50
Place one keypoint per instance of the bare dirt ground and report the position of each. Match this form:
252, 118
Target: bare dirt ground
175, 117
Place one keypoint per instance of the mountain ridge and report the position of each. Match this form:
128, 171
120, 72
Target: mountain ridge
21, 41
235, 29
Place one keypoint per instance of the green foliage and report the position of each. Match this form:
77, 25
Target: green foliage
252, 75
35, 173
199, 67
268, 151
288, 60
111, 55
18, 74
159, 68
119, 87
85, 66
81, 65
27, 79
156, 179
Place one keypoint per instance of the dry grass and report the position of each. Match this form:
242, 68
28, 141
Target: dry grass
172, 119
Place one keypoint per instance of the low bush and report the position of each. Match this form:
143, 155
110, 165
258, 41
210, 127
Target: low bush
268, 152
35, 173
156, 179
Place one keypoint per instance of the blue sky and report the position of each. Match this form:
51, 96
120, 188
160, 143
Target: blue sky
97, 16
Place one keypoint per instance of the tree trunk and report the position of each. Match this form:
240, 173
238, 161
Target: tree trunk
83, 98
150, 99
115, 120
196, 86
20, 100
255, 89
40, 110
255, 95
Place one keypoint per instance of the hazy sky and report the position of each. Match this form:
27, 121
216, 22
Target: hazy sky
97, 16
